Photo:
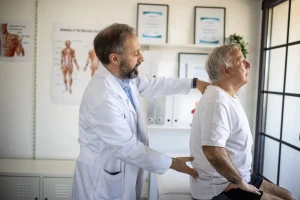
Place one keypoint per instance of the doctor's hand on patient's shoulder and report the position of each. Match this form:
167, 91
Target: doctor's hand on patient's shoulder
179, 164
201, 85
243, 186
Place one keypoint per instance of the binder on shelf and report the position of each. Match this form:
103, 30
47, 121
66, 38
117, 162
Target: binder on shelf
169, 110
159, 112
155, 59
145, 68
150, 111
176, 110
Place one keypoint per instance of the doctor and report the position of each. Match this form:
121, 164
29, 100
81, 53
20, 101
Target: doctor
114, 152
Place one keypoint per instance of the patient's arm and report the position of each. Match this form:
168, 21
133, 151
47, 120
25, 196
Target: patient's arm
219, 159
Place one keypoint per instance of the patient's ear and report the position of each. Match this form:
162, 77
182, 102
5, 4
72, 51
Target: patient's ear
224, 71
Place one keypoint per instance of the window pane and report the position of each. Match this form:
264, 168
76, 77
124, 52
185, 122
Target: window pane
273, 115
267, 70
276, 70
294, 21
279, 24
291, 128
289, 170
293, 70
271, 154
269, 27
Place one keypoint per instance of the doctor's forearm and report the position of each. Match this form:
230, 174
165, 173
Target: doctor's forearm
219, 159
143, 157
163, 86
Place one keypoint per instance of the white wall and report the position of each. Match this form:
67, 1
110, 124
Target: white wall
16, 90
242, 17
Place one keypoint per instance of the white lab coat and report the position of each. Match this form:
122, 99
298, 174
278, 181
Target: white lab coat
113, 138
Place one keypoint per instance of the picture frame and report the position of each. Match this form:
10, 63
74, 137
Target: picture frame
209, 25
152, 23
192, 65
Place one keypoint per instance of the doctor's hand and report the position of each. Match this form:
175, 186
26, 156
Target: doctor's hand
179, 164
201, 85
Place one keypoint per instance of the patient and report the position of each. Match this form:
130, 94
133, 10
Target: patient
221, 139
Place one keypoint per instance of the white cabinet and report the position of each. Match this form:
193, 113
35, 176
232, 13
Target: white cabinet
19, 188
22, 179
57, 188
28, 188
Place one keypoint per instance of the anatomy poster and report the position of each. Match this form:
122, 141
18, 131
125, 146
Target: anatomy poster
74, 62
16, 41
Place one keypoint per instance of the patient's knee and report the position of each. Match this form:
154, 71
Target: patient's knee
290, 196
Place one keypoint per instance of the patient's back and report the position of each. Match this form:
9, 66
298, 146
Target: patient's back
219, 120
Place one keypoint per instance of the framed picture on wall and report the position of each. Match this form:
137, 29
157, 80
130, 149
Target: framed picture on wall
152, 23
209, 27
192, 65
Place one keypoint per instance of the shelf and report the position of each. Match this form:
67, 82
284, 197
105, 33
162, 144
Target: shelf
161, 127
179, 45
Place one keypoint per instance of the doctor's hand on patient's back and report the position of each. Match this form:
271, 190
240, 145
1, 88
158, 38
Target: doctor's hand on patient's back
179, 164
202, 85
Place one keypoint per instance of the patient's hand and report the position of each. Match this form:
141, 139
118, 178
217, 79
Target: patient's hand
243, 186
179, 164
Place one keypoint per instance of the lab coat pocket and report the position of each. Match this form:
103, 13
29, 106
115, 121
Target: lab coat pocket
113, 184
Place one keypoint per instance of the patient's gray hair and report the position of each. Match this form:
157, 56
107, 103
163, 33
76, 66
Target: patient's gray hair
221, 56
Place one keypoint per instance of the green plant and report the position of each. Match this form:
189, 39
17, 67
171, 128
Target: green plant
237, 39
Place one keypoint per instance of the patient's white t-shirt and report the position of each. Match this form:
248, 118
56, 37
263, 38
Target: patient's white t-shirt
219, 120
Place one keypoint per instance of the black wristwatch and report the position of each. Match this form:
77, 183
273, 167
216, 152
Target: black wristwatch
194, 82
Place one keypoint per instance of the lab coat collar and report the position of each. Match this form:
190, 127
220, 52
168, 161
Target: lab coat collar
110, 79
124, 83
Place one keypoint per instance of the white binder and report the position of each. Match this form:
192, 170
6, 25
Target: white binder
160, 103
150, 111
169, 110
145, 67
176, 110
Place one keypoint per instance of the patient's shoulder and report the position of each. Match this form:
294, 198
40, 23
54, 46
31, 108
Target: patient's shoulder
215, 94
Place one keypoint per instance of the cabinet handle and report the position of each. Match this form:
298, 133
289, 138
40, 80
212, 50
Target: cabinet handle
35, 198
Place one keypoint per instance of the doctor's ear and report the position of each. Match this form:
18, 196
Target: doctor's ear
224, 70
114, 58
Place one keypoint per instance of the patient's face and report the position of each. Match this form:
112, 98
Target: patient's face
240, 68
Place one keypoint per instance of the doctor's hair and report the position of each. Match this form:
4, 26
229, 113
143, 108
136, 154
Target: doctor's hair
220, 56
112, 39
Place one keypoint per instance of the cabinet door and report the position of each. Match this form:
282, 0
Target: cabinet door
57, 188
19, 188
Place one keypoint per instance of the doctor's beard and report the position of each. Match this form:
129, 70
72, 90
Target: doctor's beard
126, 72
